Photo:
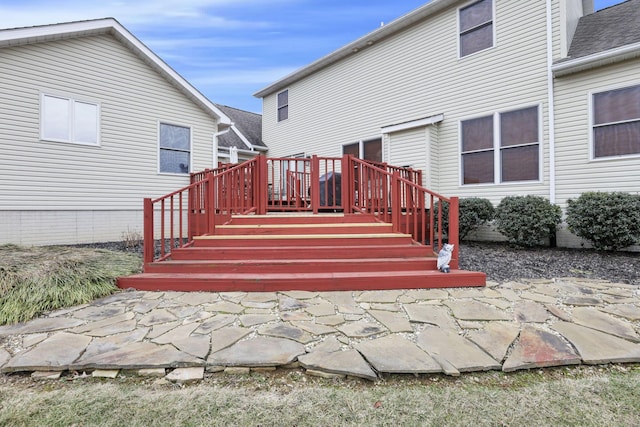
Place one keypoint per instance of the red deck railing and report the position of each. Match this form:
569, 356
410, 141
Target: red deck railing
390, 194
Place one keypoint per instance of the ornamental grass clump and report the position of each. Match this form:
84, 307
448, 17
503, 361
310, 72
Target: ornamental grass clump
39, 279
609, 221
527, 220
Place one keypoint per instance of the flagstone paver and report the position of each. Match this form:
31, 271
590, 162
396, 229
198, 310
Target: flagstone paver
57, 352
464, 355
186, 375
514, 325
495, 338
348, 362
595, 319
260, 351
474, 310
597, 347
537, 348
226, 337
394, 354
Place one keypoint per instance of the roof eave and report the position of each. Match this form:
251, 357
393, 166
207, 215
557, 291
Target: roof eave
360, 44
596, 60
28, 35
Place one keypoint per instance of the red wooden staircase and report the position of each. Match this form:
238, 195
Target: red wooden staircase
237, 244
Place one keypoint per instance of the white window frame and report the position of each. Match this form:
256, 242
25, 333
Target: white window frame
493, 29
169, 123
497, 149
72, 125
361, 146
592, 125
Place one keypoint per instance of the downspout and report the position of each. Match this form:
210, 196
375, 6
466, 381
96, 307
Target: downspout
551, 108
215, 145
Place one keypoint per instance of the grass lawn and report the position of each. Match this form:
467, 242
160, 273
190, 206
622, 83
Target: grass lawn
575, 396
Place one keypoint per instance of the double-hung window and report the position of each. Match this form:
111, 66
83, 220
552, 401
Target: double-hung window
616, 122
476, 27
174, 149
283, 105
502, 147
69, 120
367, 150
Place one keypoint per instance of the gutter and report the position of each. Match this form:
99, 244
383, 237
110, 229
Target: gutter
595, 60
551, 107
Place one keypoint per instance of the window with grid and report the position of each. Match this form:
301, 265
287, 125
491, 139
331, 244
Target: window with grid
616, 122
476, 27
174, 149
515, 147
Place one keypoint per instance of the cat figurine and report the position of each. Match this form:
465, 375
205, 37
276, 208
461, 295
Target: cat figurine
444, 257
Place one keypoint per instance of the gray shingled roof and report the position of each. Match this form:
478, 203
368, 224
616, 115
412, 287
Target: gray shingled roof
609, 28
247, 123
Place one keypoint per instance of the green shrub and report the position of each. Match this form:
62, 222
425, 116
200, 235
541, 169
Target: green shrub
473, 212
527, 220
610, 221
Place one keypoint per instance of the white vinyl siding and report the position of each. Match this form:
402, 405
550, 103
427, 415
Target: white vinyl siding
408, 76
576, 171
411, 148
41, 176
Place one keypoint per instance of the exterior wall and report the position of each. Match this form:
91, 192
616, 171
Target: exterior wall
576, 172
417, 73
71, 193
411, 148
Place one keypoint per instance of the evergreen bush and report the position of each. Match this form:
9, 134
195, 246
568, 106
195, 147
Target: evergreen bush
610, 221
527, 220
473, 212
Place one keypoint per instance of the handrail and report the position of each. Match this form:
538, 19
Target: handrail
388, 193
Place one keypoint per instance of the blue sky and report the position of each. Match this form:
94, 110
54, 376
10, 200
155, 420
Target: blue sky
228, 49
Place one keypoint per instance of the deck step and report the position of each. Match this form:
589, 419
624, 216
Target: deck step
270, 282
317, 265
302, 218
301, 252
303, 239
307, 229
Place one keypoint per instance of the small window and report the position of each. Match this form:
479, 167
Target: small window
517, 146
283, 105
476, 27
616, 122
69, 120
175, 149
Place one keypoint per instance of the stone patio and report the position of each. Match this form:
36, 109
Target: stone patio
365, 334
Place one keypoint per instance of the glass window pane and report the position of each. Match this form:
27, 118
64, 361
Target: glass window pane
477, 167
519, 127
353, 149
477, 134
520, 163
373, 150
174, 161
283, 113
283, 98
476, 40
86, 123
176, 137
617, 140
617, 105
476, 14
55, 120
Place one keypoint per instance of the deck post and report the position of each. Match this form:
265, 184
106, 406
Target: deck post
210, 205
396, 204
315, 183
263, 185
148, 244
453, 230
347, 184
